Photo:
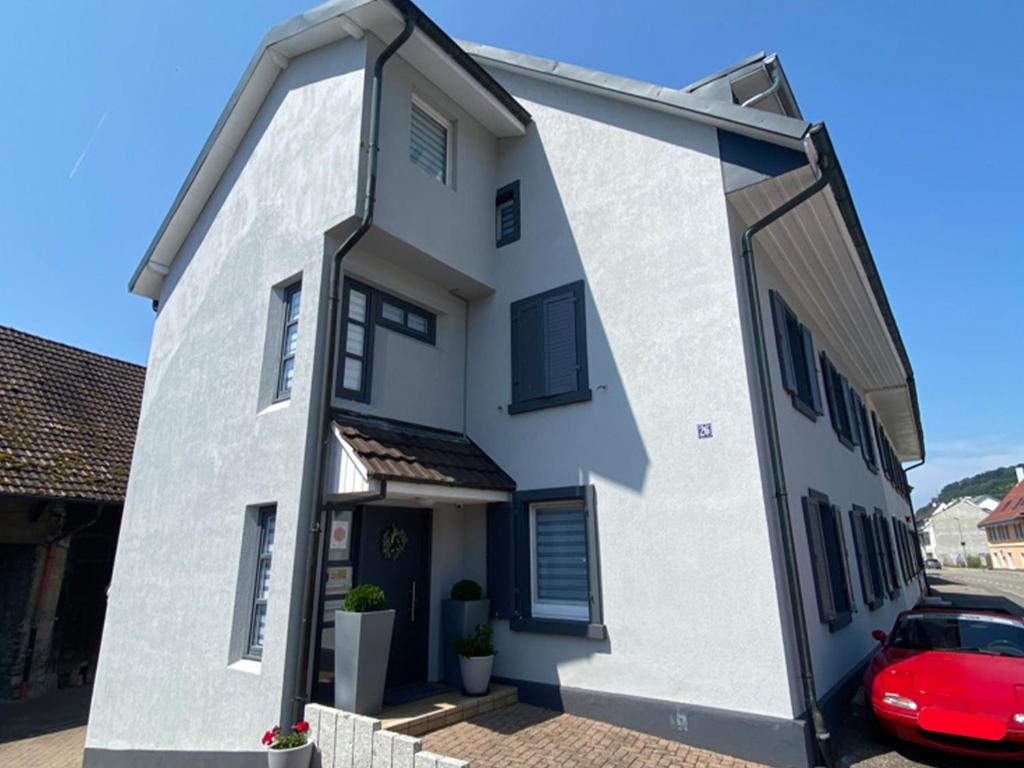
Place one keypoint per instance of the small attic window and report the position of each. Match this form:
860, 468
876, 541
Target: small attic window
430, 141
506, 214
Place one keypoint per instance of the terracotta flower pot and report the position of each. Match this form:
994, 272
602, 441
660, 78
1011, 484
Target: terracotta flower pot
296, 757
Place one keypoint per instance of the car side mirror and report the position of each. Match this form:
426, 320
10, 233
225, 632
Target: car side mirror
879, 635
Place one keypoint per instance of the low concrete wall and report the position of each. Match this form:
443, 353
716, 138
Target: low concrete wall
344, 740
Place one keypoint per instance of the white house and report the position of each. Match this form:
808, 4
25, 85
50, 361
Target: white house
526, 290
950, 532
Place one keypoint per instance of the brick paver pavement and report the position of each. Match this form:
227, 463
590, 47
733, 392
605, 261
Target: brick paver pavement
60, 749
522, 736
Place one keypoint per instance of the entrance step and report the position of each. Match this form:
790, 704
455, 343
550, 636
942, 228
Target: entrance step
419, 717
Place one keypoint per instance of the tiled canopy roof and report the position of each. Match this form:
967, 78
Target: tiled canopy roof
392, 450
67, 419
1010, 508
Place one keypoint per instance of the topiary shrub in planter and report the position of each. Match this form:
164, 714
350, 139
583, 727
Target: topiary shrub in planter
365, 598
362, 645
466, 609
466, 590
476, 658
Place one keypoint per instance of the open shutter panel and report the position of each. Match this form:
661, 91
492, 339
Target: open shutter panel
819, 566
851, 409
860, 550
782, 343
560, 344
501, 560
521, 523
811, 372
528, 351
837, 517
828, 374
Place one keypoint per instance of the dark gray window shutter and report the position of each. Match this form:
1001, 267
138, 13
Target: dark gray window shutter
560, 344
501, 560
843, 566
860, 550
782, 343
819, 563
811, 372
528, 351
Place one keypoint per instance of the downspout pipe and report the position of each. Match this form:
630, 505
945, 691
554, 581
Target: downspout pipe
304, 683
804, 658
772, 88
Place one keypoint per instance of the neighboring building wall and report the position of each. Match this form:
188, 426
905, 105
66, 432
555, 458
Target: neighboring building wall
211, 446
814, 458
955, 524
1006, 545
640, 215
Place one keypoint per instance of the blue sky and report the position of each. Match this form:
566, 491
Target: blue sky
107, 105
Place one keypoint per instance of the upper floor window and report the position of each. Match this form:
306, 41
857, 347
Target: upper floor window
828, 560
867, 447
869, 561
430, 137
506, 215
839, 396
549, 349
796, 358
286, 370
362, 309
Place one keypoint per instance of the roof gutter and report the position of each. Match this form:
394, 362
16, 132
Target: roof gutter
304, 682
804, 658
757, 98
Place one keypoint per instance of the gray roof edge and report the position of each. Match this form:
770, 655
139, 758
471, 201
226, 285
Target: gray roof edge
297, 24
697, 107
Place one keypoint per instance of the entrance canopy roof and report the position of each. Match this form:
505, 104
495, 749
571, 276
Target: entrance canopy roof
375, 459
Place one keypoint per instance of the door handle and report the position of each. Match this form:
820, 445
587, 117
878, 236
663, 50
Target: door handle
412, 603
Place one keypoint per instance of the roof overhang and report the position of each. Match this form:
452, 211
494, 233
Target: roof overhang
755, 123
429, 50
819, 249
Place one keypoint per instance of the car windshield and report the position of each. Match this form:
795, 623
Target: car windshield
966, 633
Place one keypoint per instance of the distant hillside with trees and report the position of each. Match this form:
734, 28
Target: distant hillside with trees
994, 483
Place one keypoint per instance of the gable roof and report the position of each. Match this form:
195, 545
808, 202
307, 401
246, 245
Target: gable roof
395, 450
67, 419
1010, 508
316, 28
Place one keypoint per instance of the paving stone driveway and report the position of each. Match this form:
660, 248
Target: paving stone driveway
61, 749
522, 736
48, 732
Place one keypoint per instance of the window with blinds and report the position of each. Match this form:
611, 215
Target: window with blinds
796, 358
560, 567
549, 357
506, 220
261, 593
829, 560
357, 342
429, 137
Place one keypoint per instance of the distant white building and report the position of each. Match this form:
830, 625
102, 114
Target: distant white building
950, 532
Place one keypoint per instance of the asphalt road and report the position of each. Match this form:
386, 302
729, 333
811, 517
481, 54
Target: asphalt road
972, 588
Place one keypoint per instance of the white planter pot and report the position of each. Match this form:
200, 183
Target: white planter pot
476, 673
296, 757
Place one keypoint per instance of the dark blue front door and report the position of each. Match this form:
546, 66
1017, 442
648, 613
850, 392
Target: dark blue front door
394, 554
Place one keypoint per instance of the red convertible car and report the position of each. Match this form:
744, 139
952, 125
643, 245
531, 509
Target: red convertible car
952, 680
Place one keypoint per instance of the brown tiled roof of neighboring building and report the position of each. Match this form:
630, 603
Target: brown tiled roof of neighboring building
392, 450
1010, 508
67, 419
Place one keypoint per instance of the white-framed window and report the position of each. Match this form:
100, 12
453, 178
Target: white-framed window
559, 560
430, 140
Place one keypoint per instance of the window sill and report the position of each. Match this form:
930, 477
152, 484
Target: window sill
559, 627
276, 405
846, 441
840, 621
804, 408
248, 666
580, 396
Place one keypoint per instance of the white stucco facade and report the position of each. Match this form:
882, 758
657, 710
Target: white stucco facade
630, 200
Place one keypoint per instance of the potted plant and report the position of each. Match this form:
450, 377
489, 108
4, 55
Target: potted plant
362, 644
476, 659
289, 750
466, 609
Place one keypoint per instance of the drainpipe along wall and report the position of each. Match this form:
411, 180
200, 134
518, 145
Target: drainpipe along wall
304, 682
804, 659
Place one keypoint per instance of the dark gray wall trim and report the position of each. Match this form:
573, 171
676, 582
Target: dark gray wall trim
747, 161
144, 758
768, 740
